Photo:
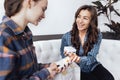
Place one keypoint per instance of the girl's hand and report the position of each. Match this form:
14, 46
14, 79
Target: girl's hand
53, 69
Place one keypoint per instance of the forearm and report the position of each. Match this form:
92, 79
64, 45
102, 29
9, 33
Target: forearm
39, 75
87, 60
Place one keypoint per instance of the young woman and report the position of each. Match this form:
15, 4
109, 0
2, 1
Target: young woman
86, 39
17, 57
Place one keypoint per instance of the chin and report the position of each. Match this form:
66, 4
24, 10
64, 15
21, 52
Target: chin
80, 29
36, 23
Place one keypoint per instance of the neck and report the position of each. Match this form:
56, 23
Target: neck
19, 19
82, 36
82, 33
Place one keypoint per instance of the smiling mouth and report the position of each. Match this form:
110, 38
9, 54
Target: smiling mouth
39, 20
80, 26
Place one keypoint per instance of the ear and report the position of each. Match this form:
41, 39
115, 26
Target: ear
29, 3
26, 3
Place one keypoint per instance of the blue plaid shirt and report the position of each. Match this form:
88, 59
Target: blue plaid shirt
89, 62
17, 54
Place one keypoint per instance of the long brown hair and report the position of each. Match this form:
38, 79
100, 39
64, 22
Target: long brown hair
92, 30
13, 6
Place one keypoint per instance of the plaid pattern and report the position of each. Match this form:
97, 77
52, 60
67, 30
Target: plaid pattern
17, 53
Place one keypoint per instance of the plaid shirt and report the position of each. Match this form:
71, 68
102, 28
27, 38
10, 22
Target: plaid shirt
17, 54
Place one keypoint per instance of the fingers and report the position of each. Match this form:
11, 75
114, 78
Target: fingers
66, 53
53, 66
76, 59
53, 69
62, 69
73, 57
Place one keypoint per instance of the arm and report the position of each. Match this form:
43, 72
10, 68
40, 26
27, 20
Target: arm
63, 44
91, 57
9, 66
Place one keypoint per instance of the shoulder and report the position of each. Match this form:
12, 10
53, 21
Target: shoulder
5, 32
66, 38
99, 38
66, 35
99, 34
2, 28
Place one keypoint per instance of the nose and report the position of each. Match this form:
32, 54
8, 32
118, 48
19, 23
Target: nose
80, 20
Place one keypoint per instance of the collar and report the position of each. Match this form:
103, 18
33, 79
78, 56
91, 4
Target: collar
86, 36
12, 25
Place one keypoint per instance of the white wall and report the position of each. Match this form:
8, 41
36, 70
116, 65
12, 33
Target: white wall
1, 9
59, 17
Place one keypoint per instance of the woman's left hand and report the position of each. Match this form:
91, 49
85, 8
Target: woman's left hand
74, 57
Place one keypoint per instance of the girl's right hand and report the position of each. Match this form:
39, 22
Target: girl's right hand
53, 69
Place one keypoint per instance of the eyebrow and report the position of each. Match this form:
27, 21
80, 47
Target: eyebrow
84, 16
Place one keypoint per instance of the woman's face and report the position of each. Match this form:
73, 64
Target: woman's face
37, 11
83, 20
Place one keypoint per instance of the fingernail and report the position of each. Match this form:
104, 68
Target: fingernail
58, 65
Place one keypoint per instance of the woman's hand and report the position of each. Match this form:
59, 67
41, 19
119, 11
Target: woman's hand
73, 57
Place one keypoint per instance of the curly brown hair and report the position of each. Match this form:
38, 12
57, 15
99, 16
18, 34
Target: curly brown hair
92, 30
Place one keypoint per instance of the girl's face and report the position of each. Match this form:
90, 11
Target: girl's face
36, 12
83, 20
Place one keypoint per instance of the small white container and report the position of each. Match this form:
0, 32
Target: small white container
69, 49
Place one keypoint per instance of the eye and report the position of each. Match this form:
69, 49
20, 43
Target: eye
44, 9
86, 18
78, 16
